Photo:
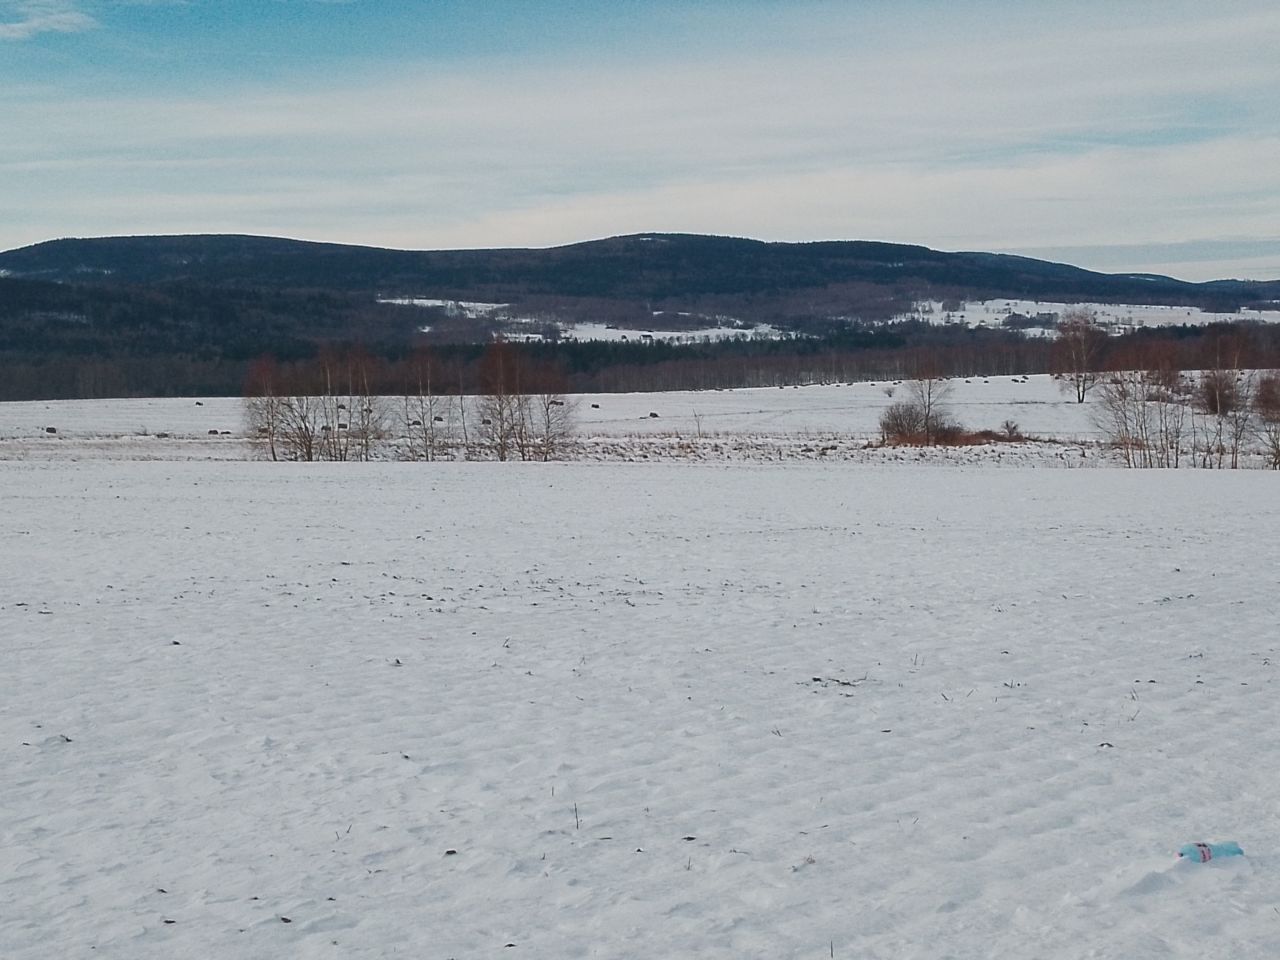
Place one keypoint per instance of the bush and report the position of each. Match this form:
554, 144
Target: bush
902, 422
906, 422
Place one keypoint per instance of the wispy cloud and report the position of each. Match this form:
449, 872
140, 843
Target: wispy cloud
1130, 135
24, 19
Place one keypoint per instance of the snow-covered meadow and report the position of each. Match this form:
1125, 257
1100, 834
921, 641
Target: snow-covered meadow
183, 428
1117, 317
616, 710
673, 327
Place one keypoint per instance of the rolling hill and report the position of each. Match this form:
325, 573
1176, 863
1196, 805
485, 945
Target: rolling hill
137, 316
645, 267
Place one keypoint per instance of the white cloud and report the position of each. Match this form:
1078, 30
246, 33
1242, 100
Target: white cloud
24, 19
1111, 134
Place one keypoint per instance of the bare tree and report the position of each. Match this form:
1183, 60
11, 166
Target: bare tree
283, 417
367, 412
1076, 356
262, 406
459, 376
902, 422
301, 427
330, 413
502, 405
1266, 405
1143, 409
923, 417
1166, 392
1223, 398
426, 428
1120, 416
353, 419
929, 391
549, 412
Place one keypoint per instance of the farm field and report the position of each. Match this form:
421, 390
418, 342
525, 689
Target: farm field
1036, 403
1129, 315
969, 313
616, 710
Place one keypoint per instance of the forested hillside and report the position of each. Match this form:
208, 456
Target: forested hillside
187, 314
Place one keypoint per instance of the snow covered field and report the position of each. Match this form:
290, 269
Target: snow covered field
673, 329
990, 313
261, 710
1117, 315
608, 332
1036, 403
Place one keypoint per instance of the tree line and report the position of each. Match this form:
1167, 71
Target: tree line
1158, 413
839, 353
1160, 401
336, 410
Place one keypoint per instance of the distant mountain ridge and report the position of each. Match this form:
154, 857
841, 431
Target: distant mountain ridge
140, 316
645, 267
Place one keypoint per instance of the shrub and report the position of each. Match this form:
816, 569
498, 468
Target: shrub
902, 422
906, 422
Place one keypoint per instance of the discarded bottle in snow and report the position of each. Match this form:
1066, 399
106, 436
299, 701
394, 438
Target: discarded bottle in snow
1203, 852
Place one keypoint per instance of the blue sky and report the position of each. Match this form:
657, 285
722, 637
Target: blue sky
1123, 136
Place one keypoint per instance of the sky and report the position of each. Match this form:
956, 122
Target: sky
1119, 135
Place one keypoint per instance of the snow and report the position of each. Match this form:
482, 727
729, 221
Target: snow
619, 710
1036, 403
464, 308
832, 422
611, 332
853, 410
1119, 316
585, 330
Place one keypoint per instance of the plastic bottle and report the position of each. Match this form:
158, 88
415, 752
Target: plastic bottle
1202, 852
